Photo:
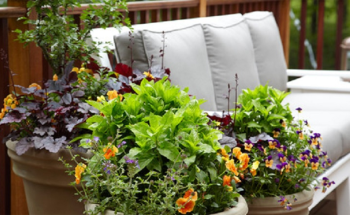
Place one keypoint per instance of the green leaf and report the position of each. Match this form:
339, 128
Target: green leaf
169, 151
213, 173
202, 176
190, 160
95, 104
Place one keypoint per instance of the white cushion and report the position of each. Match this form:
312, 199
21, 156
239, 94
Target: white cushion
268, 49
186, 56
230, 52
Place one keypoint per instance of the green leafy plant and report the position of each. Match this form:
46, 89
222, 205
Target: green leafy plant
60, 37
154, 153
276, 153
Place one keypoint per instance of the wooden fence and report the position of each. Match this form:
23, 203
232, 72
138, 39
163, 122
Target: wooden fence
30, 66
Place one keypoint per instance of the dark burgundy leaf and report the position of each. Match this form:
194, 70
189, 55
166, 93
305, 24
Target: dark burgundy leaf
38, 142
78, 93
42, 130
40, 93
31, 105
73, 77
123, 69
86, 108
23, 145
13, 116
111, 85
72, 122
24, 90
228, 141
67, 98
262, 136
53, 106
69, 68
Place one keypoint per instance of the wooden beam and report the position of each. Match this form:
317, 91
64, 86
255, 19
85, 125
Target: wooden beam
320, 32
302, 36
202, 8
284, 24
5, 170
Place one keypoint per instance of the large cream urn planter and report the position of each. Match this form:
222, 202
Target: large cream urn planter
271, 206
46, 183
240, 209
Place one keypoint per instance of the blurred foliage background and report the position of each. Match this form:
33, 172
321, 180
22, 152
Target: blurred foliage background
311, 35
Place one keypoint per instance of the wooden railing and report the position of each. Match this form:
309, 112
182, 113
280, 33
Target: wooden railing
28, 62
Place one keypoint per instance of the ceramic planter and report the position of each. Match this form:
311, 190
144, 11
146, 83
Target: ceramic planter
271, 206
240, 209
46, 183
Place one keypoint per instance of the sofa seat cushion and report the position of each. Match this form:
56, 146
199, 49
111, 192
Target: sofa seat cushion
319, 101
186, 56
268, 49
230, 51
337, 122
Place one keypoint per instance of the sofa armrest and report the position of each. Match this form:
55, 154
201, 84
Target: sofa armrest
320, 81
303, 72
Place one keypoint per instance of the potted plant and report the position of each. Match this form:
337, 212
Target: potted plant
154, 153
43, 118
284, 155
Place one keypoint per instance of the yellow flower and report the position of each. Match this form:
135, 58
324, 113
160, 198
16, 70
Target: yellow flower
188, 202
2, 114
110, 151
236, 152
37, 86
314, 166
230, 165
79, 169
272, 144
254, 168
101, 98
268, 163
248, 146
148, 75
116, 74
275, 134
10, 101
75, 69
223, 154
55, 77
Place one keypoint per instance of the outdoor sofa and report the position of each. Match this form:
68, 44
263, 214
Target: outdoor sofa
204, 54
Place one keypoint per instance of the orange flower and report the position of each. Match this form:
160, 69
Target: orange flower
230, 165
223, 153
37, 86
244, 159
226, 180
110, 151
79, 169
55, 77
236, 152
114, 94
188, 202
237, 180
272, 144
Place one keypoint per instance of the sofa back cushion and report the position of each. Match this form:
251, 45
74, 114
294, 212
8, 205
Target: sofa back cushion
230, 51
186, 56
268, 49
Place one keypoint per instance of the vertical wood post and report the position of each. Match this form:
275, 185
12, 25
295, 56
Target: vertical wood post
202, 8
5, 170
284, 27
340, 21
19, 64
302, 36
320, 31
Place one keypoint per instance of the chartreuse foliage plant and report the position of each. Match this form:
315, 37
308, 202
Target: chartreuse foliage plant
284, 156
154, 153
